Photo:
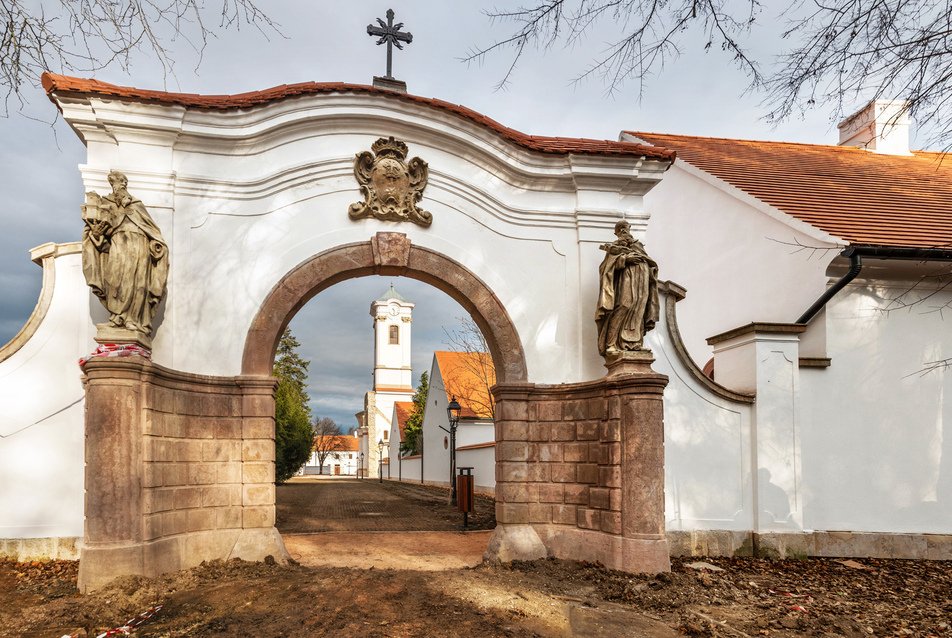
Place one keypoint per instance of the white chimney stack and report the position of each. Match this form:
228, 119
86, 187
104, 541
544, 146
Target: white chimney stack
882, 126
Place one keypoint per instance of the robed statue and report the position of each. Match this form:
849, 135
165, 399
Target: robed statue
627, 296
125, 260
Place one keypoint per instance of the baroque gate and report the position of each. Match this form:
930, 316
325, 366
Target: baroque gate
265, 200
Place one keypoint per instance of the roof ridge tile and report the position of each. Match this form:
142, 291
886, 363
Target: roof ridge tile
53, 83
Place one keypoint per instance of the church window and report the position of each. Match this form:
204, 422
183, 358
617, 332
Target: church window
385, 434
394, 335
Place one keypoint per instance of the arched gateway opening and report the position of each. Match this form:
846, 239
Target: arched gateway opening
181, 467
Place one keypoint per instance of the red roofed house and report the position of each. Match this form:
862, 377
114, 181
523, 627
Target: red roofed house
341, 455
815, 280
398, 424
467, 377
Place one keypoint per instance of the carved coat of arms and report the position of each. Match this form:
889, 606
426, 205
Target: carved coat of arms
391, 186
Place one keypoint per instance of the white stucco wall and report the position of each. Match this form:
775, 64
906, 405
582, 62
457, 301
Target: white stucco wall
407, 469
872, 434
707, 456
483, 462
41, 421
877, 445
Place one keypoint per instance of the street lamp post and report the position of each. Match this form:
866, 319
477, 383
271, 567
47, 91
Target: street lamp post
360, 470
452, 411
380, 460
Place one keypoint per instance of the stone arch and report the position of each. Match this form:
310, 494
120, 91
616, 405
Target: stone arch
385, 254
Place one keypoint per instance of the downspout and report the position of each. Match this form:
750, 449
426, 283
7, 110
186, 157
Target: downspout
856, 265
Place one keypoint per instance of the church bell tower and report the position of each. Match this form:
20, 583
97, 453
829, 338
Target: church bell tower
393, 379
393, 315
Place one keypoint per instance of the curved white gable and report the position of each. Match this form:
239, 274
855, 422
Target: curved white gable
245, 195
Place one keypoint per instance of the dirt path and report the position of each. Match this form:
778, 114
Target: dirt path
736, 597
549, 598
425, 551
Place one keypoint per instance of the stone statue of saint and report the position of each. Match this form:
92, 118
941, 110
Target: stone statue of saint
627, 296
125, 261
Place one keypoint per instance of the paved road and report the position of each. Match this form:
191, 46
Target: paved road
308, 505
344, 522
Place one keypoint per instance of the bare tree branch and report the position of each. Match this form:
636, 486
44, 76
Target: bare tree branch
851, 51
86, 36
653, 30
839, 52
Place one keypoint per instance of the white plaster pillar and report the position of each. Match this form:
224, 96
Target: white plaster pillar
763, 358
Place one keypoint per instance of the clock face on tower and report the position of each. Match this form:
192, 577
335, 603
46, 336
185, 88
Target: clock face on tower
394, 311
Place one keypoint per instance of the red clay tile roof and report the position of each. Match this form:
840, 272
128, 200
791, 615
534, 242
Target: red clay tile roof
338, 443
404, 410
66, 85
865, 198
468, 376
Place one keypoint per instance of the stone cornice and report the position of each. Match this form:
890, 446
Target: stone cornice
758, 328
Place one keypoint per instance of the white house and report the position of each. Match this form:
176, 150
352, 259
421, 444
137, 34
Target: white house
816, 281
466, 377
341, 456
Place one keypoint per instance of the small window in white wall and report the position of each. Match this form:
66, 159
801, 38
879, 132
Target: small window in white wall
385, 435
394, 335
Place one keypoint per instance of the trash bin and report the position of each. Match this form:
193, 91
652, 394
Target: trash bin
465, 493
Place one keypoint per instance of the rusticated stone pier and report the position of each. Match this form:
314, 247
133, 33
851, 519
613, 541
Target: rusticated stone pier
580, 472
179, 469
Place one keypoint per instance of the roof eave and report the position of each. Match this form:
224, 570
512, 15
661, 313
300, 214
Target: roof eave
910, 253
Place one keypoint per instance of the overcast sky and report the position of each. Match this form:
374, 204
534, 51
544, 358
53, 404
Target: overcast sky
699, 94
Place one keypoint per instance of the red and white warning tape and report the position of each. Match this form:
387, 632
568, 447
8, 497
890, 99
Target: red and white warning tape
131, 624
116, 350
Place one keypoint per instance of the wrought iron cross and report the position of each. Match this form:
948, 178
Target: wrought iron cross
392, 35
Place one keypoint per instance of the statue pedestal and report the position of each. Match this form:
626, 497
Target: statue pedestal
629, 362
108, 333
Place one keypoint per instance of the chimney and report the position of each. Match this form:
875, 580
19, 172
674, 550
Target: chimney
882, 126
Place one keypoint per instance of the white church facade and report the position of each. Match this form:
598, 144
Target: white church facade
810, 434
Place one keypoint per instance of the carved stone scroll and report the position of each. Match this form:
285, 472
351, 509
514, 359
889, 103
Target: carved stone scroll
391, 187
